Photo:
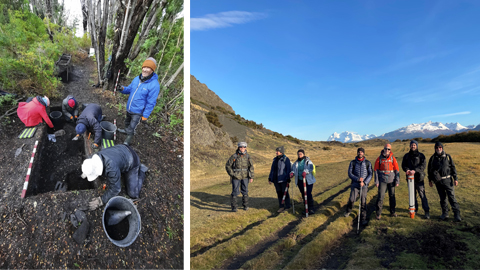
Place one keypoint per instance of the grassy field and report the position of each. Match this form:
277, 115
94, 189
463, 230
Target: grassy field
262, 239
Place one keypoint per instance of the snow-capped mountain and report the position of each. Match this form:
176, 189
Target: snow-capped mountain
424, 130
348, 136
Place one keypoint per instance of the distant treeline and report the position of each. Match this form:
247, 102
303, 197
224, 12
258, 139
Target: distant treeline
467, 136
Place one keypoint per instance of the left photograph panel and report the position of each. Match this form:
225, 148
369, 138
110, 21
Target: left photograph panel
92, 134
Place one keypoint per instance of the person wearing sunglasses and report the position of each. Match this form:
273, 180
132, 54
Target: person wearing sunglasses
387, 177
442, 172
414, 162
240, 169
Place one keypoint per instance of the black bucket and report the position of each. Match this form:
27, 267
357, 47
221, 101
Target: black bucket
108, 130
57, 119
124, 233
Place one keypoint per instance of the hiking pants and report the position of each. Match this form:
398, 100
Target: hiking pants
382, 188
131, 122
280, 188
243, 184
309, 194
445, 189
420, 190
354, 192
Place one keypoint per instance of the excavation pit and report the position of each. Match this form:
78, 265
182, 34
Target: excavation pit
57, 165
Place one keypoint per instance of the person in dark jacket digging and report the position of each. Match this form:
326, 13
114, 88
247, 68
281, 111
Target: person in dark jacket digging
143, 91
360, 172
111, 163
279, 176
90, 119
70, 108
442, 172
240, 169
414, 162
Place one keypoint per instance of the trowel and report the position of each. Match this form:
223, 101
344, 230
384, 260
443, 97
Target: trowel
113, 217
19, 150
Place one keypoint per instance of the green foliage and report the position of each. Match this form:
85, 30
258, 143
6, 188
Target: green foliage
326, 148
176, 120
223, 110
293, 139
7, 101
212, 117
171, 233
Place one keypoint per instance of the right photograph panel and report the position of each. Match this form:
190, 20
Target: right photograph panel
333, 134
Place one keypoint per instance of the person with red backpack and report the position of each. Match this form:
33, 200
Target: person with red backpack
387, 177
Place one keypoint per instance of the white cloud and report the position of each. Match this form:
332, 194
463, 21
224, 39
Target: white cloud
224, 19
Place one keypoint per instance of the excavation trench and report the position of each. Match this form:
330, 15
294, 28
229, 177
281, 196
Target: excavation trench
57, 165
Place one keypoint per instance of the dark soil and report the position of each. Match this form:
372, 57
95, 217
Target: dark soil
36, 231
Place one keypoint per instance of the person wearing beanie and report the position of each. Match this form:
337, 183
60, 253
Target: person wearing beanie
111, 163
442, 172
302, 170
279, 176
34, 111
414, 162
360, 172
70, 108
143, 93
387, 177
240, 169
90, 119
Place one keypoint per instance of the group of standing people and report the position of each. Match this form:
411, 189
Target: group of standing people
441, 172
110, 162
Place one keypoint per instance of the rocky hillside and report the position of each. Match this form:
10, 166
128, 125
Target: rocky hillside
200, 92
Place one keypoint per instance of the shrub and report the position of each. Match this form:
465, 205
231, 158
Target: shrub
212, 117
326, 148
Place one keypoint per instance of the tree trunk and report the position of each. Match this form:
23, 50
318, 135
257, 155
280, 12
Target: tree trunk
85, 16
93, 34
170, 81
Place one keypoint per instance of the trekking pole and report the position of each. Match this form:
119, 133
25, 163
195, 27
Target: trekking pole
305, 196
285, 194
359, 209
293, 201
115, 89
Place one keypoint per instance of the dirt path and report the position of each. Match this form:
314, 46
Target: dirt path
36, 231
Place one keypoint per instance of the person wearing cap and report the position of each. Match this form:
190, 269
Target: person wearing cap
360, 172
34, 111
90, 119
111, 163
70, 108
143, 92
442, 172
279, 176
414, 163
240, 169
387, 177
303, 169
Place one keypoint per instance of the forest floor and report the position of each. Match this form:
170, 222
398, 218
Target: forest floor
37, 231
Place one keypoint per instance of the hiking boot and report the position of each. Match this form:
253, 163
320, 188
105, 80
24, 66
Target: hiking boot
457, 217
234, 209
128, 140
311, 212
280, 210
121, 130
444, 216
393, 214
245, 202
346, 214
233, 202
427, 215
378, 217
364, 222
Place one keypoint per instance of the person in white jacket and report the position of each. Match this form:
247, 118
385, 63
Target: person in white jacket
303, 168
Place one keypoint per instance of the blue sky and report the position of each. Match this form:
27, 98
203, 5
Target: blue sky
311, 68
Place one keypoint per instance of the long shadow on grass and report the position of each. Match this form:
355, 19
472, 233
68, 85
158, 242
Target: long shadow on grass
259, 248
205, 200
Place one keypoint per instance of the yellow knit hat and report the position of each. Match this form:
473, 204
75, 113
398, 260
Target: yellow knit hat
151, 63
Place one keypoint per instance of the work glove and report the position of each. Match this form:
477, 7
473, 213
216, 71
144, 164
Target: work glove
95, 146
304, 174
144, 120
95, 203
119, 88
71, 117
289, 180
76, 137
291, 174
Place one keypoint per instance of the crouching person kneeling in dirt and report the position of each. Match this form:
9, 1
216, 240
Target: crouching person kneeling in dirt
34, 111
111, 163
90, 118
70, 108
360, 172
240, 168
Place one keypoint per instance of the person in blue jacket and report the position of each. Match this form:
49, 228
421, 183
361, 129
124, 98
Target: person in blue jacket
360, 172
303, 169
279, 173
143, 91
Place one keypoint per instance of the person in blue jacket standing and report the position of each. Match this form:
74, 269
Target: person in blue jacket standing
143, 91
279, 172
